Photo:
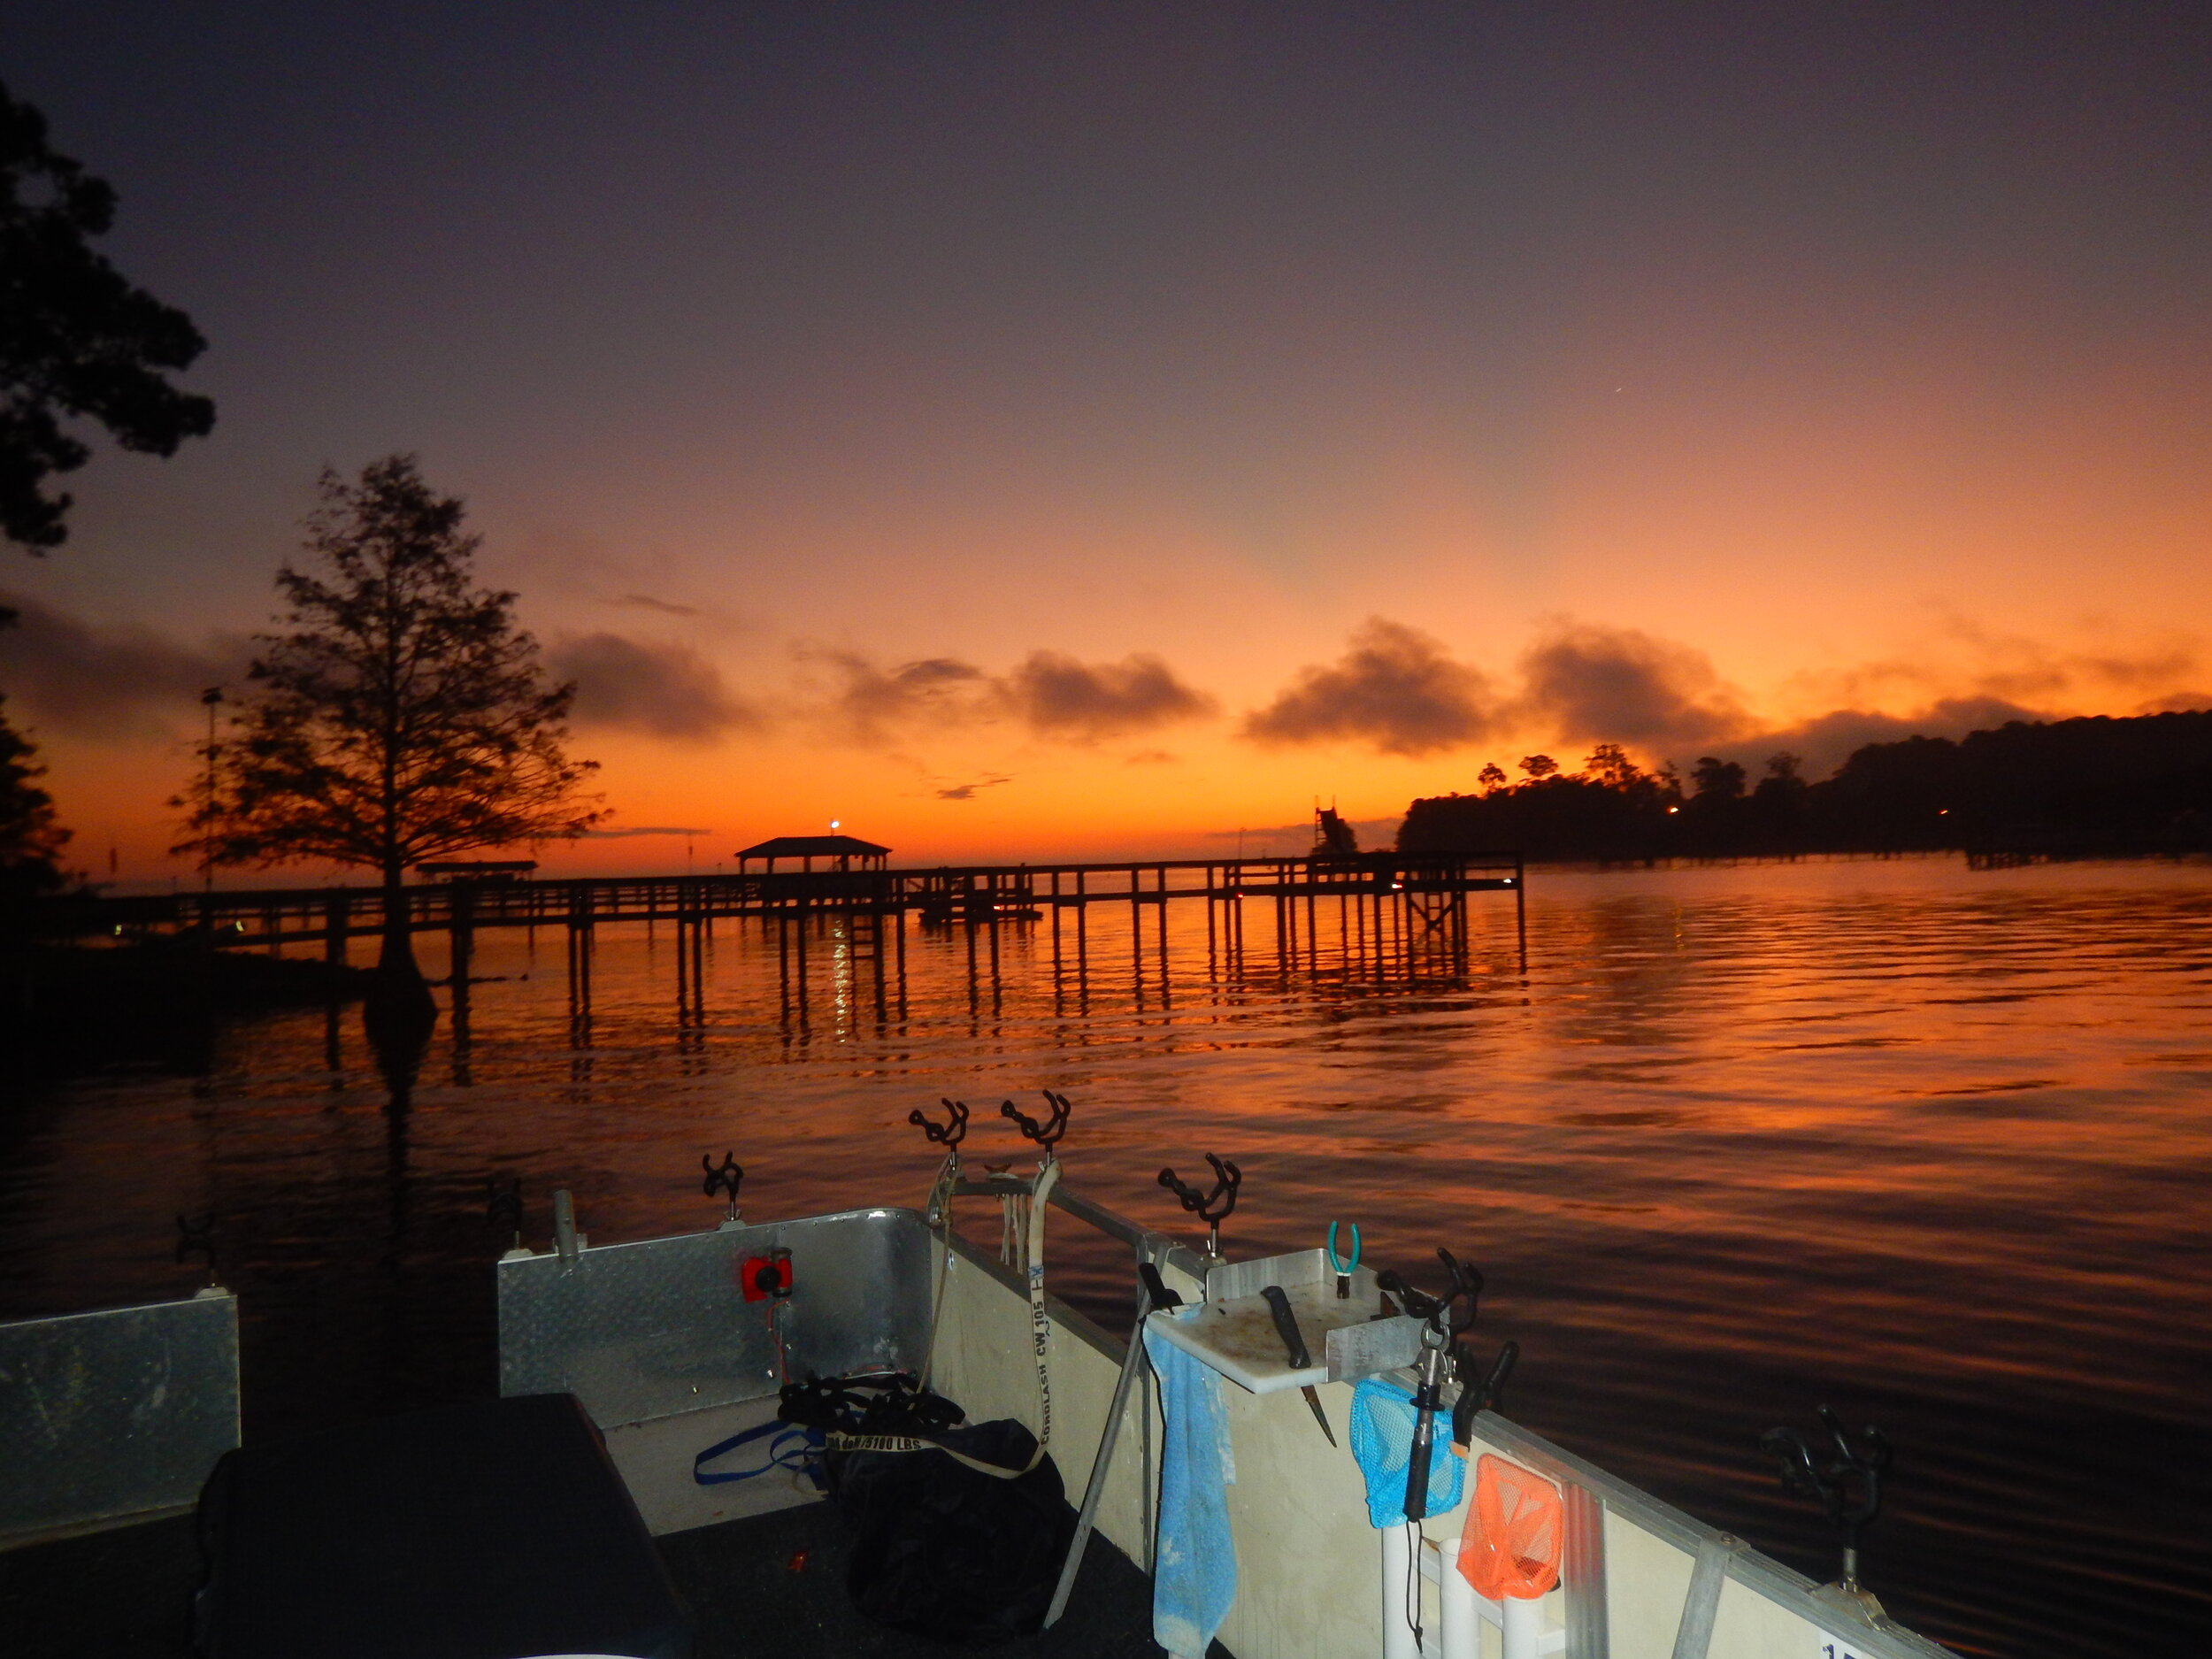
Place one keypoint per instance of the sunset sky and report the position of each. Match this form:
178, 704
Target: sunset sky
1031, 431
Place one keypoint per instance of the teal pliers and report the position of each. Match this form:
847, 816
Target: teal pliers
1343, 1268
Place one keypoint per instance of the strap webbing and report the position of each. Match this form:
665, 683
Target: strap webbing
782, 1453
939, 1216
1040, 1326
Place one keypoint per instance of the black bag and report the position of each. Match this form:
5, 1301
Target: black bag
948, 1552
939, 1549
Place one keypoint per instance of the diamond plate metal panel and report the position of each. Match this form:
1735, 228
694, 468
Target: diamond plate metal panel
112, 1414
651, 1329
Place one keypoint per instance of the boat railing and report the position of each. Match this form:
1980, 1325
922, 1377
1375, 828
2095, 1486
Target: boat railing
1621, 1543
621, 1326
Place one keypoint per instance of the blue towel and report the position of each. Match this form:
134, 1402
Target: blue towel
1195, 1569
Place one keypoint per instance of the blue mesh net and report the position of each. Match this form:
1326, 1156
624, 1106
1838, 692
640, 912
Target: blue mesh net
1382, 1441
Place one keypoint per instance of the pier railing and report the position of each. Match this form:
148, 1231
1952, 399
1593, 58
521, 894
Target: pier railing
276, 916
1380, 917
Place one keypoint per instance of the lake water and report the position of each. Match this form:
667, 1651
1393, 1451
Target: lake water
1931, 1145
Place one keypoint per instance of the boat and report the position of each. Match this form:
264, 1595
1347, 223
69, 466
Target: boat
644, 1485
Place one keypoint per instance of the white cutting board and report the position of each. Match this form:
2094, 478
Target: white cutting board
1236, 1335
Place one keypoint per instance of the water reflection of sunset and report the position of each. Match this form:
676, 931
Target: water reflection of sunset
1929, 1144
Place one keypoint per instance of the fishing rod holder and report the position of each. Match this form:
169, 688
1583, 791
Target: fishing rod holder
1478, 1391
724, 1180
1212, 1208
1847, 1485
953, 1131
1045, 1133
1450, 1315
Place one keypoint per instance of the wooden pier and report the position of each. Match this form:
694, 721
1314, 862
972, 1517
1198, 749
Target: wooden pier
1396, 915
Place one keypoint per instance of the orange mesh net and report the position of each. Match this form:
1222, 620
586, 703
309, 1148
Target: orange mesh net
1511, 1544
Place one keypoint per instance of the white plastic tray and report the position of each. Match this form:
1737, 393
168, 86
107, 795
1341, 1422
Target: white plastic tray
1233, 1332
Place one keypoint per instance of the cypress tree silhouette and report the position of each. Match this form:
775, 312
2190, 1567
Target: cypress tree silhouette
403, 716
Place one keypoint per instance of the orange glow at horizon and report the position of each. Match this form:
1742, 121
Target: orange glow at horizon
1824, 397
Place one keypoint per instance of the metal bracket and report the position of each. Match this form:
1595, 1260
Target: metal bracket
567, 1243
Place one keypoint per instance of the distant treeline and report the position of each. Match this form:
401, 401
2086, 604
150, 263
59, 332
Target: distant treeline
2063, 788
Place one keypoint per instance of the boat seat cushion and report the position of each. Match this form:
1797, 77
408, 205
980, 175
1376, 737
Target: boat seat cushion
492, 1530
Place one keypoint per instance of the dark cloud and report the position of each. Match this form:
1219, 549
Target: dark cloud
660, 689
2178, 702
1150, 757
633, 834
966, 791
1620, 685
1062, 697
1826, 742
935, 691
1967, 659
646, 602
1395, 687
1054, 694
2167, 665
94, 682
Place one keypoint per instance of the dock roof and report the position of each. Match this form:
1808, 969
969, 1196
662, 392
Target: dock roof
814, 847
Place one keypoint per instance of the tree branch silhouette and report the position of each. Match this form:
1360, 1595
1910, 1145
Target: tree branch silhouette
77, 338
403, 716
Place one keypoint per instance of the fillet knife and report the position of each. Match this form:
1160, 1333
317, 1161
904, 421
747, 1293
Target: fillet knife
1286, 1327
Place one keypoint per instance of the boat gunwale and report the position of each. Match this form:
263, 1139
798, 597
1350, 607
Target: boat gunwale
1742, 1562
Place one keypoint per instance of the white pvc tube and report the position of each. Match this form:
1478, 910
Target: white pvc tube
1460, 1624
1524, 1622
1397, 1565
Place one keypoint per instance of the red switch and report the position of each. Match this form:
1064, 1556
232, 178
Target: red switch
761, 1277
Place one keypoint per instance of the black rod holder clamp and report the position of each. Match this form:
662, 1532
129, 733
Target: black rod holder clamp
1848, 1486
1478, 1392
724, 1180
1213, 1208
948, 1134
1045, 1133
1449, 1315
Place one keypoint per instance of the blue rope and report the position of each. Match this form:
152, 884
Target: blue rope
799, 1450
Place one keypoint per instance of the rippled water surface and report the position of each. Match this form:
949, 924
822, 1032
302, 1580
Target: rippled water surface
1931, 1145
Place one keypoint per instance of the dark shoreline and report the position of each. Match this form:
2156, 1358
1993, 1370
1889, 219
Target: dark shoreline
67, 1009
1971, 858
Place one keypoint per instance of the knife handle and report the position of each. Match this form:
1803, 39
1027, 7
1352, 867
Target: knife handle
1156, 1289
1286, 1327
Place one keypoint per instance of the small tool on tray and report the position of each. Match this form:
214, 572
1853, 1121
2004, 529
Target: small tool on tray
1343, 1268
1287, 1326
